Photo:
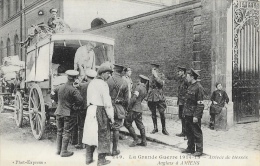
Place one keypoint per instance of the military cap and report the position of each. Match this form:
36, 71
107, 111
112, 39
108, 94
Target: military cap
144, 77
194, 73
91, 73
53, 10
155, 65
182, 68
103, 69
119, 67
217, 84
72, 73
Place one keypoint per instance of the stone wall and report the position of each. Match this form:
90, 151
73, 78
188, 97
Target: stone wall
180, 36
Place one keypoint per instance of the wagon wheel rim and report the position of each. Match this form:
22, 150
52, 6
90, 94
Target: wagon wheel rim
18, 109
37, 112
1, 103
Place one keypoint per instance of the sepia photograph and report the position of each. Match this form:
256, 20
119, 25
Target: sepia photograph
129, 82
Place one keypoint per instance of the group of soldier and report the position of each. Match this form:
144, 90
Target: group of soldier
105, 101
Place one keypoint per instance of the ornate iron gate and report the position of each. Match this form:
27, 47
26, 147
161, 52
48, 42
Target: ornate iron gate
246, 61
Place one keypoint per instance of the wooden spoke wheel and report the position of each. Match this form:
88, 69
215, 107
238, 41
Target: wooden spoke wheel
18, 109
37, 111
1, 103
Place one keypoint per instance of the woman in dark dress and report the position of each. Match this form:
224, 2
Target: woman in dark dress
218, 111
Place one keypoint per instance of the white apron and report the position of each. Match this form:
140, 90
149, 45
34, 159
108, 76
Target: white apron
90, 131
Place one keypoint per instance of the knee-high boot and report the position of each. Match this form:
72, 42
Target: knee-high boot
59, 143
64, 151
80, 135
143, 143
164, 131
132, 132
154, 124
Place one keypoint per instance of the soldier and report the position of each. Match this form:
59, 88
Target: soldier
90, 75
156, 99
193, 110
127, 78
99, 113
118, 90
182, 88
66, 95
135, 111
56, 23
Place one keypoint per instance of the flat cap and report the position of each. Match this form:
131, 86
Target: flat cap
144, 77
194, 73
182, 68
104, 68
91, 73
53, 10
72, 73
155, 64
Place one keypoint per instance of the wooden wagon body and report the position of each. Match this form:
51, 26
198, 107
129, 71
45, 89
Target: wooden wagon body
32, 98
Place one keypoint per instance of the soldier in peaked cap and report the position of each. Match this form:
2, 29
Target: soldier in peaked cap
182, 88
54, 12
90, 75
156, 99
118, 89
135, 111
67, 97
193, 110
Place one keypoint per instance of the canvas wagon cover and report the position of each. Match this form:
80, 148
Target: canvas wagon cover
39, 71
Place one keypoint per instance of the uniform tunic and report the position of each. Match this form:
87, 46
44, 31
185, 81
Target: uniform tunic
135, 107
135, 102
182, 88
156, 88
100, 110
195, 94
155, 96
115, 83
66, 95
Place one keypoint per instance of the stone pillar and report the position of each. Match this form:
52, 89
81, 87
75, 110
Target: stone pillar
222, 50
230, 111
